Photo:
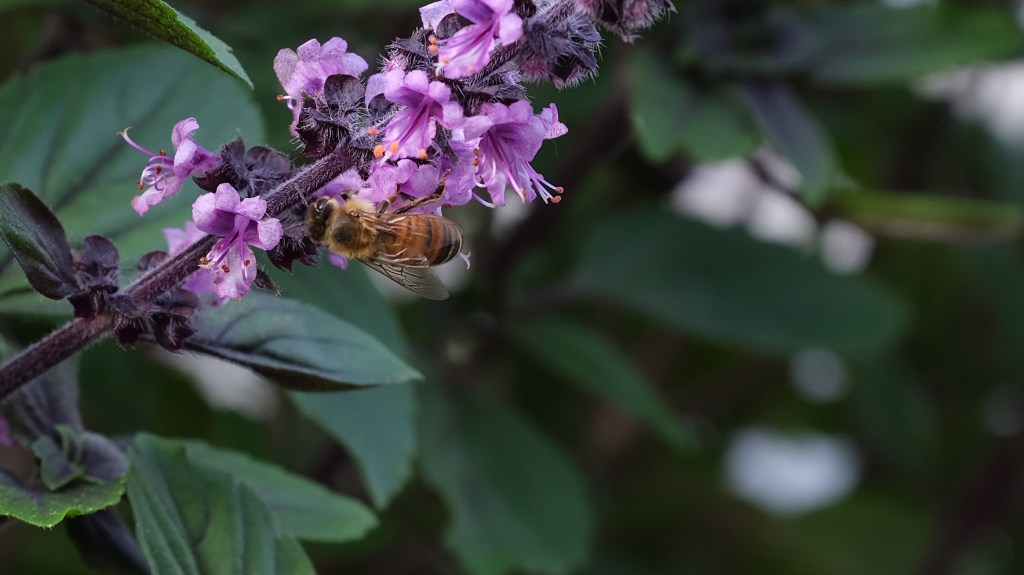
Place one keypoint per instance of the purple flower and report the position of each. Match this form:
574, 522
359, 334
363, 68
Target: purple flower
200, 281
163, 176
510, 137
412, 130
306, 69
240, 224
459, 173
411, 179
348, 181
469, 49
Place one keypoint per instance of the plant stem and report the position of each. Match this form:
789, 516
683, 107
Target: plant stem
79, 333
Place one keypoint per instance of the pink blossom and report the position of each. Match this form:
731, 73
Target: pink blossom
469, 49
509, 138
164, 176
240, 224
427, 103
306, 69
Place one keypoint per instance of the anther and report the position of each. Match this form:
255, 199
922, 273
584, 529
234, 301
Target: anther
204, 261
556, 199
422, 154
246, 263
394, 147
378, 151
559, 190
372, 131
224, 268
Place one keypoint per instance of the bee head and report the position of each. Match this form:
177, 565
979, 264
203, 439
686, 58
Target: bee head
318, 218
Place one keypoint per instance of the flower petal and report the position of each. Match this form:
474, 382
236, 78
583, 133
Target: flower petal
253, 208
265, 234
183, 131
211, 220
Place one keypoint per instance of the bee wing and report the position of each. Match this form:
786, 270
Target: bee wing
419, 280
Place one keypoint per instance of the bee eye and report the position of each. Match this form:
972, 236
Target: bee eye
321, 205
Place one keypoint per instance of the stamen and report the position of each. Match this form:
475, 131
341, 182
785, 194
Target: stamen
372, 131
394, 147
378, 151
204, 261
422, 154
556, 199
225, 268
246, 262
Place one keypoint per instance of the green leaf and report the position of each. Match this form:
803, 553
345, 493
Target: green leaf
300, 508
516, 502
36, 505
669, 116
727, 286
896, 414
66, 149
295, 345
376, 425
348, 294
190, 519
160, 21
589, 361
791, 128
930, 217
37, 240
867, 43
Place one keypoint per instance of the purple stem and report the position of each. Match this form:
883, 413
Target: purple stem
79, 333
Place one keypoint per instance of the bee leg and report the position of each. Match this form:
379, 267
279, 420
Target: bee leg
385, 204
438, 193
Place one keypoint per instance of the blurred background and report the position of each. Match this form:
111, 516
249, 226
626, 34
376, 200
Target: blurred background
776, 323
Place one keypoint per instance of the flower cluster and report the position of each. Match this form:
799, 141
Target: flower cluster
445, 121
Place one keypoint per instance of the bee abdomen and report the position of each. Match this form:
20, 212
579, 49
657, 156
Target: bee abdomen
448, 240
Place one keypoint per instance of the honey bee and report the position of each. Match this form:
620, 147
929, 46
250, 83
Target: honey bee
400, 245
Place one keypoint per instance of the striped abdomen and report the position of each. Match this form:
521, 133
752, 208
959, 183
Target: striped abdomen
417, 239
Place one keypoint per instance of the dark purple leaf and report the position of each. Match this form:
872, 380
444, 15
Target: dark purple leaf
38, 242
106, 543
